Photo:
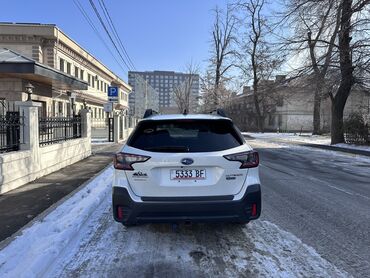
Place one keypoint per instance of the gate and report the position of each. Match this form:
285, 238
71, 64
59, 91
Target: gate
110, 129
10, 128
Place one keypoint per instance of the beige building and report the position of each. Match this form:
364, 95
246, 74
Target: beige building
290, 107
64, 74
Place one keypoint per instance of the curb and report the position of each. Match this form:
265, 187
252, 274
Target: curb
43, 214
337, 149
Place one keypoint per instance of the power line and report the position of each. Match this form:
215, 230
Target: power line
115, 33
107, 32
89, 21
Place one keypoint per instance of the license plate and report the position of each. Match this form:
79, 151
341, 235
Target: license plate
188, 174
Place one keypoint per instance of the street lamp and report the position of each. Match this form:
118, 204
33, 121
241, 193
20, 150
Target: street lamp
29, 90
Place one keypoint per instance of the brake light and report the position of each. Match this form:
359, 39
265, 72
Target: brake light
124, 161
248, 159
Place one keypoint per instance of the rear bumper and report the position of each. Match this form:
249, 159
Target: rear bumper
167, 210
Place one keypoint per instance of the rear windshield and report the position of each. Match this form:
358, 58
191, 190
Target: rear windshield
185, 136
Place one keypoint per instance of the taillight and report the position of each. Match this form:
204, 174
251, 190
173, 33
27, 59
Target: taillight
124, 161
248, 159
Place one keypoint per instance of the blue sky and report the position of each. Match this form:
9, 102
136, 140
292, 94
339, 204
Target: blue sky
158, 34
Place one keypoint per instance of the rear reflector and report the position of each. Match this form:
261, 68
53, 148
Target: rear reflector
120, 213
254, 209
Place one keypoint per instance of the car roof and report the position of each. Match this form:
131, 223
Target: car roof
185, 117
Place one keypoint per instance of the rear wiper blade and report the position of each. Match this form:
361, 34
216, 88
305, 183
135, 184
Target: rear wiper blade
168, 148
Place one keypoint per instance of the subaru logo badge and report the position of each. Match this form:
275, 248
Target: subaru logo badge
187, 161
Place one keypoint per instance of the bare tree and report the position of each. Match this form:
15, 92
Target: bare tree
315, 31
182, 93
259, 57
334, 35
222, 51
353, 47
207, 85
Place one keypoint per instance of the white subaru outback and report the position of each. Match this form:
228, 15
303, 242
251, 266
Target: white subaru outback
186, 168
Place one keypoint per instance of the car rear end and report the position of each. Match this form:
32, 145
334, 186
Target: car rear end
186, 168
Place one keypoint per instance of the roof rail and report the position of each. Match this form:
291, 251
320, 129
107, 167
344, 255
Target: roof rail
219, 112
149, 112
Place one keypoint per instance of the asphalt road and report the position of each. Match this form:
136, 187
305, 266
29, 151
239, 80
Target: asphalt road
322, 198
315, 223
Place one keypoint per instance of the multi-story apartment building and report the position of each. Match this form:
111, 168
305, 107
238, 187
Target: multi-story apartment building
70, 78
143, 95
163, 83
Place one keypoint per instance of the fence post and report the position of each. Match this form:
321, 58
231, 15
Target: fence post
30, 131
86, 123
116, 128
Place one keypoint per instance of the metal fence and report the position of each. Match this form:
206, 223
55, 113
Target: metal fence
58, 129
10, 131
99, 123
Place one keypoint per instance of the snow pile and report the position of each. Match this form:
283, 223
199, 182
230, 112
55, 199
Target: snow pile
292, 137
304, 138
30, 254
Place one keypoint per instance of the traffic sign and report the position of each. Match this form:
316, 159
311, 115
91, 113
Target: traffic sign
108, 107
112, 91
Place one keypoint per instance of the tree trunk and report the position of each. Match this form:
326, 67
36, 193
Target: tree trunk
317, 114
259, 117
337, 135
346, 70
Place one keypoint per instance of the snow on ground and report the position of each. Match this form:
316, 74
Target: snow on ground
303, 137
80, 239
340, 159
97, 141
31, 253
307, 138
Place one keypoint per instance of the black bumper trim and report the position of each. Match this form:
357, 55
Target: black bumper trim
187, 199
177, 210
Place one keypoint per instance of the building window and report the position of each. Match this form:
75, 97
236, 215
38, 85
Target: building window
42, 109
60, 108
82, 74
76, 72
280, 102
89, 79
68, 68
61, 64
97, 85
271, 120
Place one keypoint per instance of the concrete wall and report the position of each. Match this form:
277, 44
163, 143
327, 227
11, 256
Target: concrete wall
33, 161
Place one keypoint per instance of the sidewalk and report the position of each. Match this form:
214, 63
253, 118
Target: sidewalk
307, 144
20, 206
